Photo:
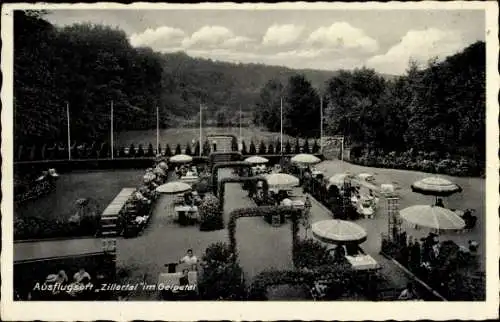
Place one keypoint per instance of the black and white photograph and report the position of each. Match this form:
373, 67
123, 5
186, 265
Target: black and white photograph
305, 155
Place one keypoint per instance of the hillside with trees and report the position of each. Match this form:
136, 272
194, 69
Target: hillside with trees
89, 66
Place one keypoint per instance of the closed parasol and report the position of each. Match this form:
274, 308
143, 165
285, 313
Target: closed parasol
338, 231
305, 158
432, 217
173, 187
181, 158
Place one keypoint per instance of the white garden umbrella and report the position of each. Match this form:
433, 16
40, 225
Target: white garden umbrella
181, 158
435, 186
281, 180
432, 217
338, 231
305, 158
173, 187
256, 160
338, 179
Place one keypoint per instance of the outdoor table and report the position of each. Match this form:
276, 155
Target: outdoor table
362, 262
191, 211
189, 179
367, 212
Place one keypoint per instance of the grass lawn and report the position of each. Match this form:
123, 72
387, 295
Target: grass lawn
100, 186
182, 136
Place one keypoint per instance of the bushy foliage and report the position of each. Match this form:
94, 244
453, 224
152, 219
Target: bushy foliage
262, 148
297, 146
222, 277
305, 148
140, 151
244, 148
210, 214
253, 149
178, 149
150, 152
422, 161
85, 222
188, 149
168, 151
288, 147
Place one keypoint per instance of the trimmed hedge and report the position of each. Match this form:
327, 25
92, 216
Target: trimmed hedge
210, 214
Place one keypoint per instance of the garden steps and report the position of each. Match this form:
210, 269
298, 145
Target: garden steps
110, 215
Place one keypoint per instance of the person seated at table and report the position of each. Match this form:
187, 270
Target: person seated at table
189, 259
80, 275
408, 293
439, 203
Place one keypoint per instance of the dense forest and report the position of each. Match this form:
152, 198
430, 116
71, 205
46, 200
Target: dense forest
88, 66
439, 109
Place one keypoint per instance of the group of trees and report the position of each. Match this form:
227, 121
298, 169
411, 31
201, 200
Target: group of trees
88, 66
440, 108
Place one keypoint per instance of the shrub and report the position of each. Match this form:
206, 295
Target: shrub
243, 148
288, 147
140, 151
150, 152
197, 148
210, 214
206, 148
178, 149
131, 151
316, 147
262, 148
121, 152
203, 186
234, 144
305, 148
253, 150
310, 254
168, 151
222, 277
297, 146
188, 149
270, 149
277, 147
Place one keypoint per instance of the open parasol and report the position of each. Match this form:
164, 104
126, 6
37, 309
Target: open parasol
256, 160
173, 187
305, 158
338, 231
181, 158
281, 180
432, 217
435, 186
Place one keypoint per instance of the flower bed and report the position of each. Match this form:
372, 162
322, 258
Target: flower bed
422, 161
136, 213
453, 272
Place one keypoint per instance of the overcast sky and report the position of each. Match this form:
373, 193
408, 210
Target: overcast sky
321, 39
